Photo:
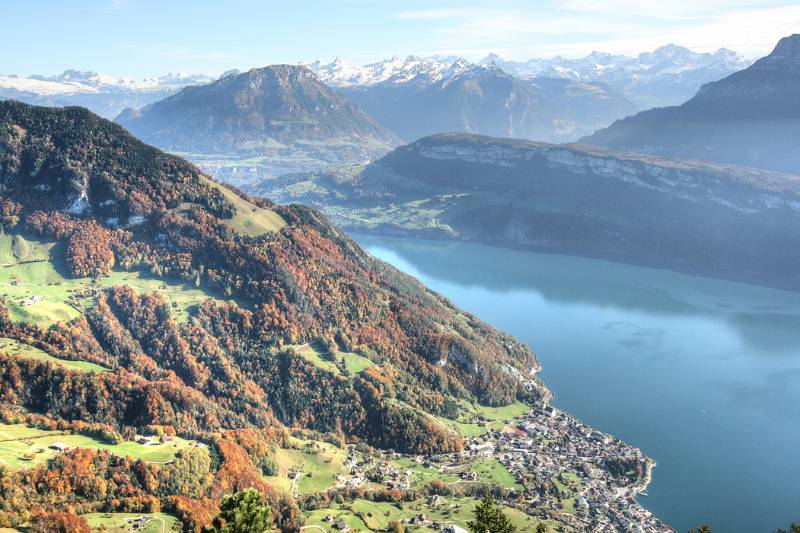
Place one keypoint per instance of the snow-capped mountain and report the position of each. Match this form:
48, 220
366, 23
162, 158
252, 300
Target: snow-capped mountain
669, 75
751, 117
415, 98
395, 70
101, 93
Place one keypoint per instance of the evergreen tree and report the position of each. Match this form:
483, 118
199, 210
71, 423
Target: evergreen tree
489, 518
243, 512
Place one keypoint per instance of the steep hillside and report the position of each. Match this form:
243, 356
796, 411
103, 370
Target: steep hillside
725, 221
752, 118
485, 100
277, 110
101, 232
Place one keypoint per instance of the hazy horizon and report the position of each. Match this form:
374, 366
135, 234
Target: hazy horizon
203, 38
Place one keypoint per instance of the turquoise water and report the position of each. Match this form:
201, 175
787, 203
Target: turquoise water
703, 375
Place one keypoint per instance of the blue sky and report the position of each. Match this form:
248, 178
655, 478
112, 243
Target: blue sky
148, 37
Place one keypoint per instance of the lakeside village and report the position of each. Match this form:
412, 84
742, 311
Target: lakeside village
567, 473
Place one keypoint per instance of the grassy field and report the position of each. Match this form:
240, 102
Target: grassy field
475, 419
340, 363
491, 471
36, 289
421, 475
375, 516
572, 485
354, 363
318, 464
25, 447
123, 523
250, 219
15, 348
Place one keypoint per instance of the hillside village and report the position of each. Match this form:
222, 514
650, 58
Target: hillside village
563, 471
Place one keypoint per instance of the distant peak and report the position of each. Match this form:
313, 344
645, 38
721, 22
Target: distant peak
788, 47
74, 75
228, 73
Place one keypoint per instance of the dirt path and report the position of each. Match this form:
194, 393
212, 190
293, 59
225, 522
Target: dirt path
163, 523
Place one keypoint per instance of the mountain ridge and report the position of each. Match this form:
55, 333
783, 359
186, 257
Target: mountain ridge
668, 75
751, 117
279, 109
571, 199
487, 100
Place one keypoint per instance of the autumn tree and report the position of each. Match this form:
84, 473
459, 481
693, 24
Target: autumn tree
489, 518
59, 522
191, 472
89, 251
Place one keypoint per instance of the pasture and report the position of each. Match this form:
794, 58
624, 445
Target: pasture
25, 447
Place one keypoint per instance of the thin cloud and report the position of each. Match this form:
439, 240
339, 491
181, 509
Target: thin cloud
576, 27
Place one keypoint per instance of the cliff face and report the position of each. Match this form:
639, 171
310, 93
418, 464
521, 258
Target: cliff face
715, 219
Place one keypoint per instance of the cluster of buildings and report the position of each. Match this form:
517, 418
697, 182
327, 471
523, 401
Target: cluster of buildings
363, 468
570, 473
563, 465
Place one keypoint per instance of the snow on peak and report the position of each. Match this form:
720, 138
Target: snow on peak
393, 70
73, 81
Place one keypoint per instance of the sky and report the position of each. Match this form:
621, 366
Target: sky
147, 37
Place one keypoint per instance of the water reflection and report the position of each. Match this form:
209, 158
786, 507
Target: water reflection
766, 319
702, 374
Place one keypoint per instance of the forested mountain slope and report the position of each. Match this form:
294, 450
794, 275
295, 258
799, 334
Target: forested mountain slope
83, 203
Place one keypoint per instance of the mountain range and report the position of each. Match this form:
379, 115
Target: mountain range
105, 95
280, 111
751, 117
669, 75
569, 199
430, 98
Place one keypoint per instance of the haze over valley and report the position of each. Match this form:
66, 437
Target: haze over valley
487, 268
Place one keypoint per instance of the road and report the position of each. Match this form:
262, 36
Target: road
163, 523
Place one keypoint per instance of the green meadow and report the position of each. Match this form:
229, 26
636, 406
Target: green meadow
124, 522
474, 419
14, 348
375, 516
24, 447
37, 290
340, 363
315, 464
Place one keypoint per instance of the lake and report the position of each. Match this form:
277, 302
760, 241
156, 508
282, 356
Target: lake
703, 375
